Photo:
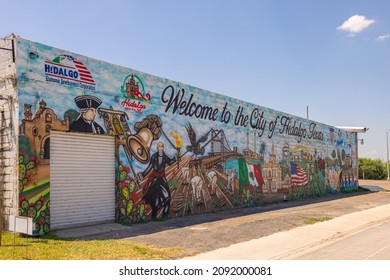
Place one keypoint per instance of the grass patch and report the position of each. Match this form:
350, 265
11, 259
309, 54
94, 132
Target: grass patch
355, 190
311, 220
54, 248
362, 189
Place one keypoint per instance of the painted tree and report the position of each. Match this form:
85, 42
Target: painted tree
334, 154
262, 149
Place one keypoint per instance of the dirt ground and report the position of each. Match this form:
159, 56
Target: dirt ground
202, 233
382, 184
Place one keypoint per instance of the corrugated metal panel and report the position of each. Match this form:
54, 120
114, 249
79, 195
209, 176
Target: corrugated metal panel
82, 179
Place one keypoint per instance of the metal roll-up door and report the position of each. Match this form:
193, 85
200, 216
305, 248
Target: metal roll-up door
82, 179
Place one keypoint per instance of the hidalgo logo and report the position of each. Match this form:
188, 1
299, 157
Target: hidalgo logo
68, 70
133, 90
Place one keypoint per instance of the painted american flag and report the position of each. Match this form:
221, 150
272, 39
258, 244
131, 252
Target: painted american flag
85, 75
298, 176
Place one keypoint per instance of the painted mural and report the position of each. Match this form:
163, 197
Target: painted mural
180, 150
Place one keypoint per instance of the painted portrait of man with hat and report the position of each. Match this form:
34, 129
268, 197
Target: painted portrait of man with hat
85, 122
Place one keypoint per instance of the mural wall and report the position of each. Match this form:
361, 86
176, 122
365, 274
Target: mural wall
180, 150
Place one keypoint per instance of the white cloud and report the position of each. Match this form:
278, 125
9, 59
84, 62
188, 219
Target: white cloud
382, 38
355, 24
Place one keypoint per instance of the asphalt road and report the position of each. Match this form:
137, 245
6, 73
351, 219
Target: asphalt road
370, 244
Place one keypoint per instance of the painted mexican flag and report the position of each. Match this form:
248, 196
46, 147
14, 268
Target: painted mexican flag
250, 174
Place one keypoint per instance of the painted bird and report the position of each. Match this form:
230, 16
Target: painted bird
195, 144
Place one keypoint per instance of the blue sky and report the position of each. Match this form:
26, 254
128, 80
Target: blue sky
332, 56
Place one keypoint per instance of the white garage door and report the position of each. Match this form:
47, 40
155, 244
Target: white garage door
82, 179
